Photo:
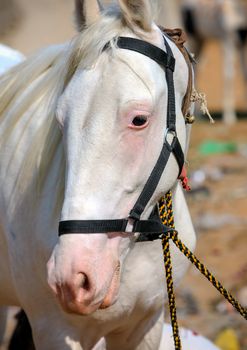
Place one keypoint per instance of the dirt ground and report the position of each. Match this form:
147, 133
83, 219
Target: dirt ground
218, 202
218, 207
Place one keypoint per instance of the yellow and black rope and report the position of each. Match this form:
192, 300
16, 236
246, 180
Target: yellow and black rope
208, 274
167, 217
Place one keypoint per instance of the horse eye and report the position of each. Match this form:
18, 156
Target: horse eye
139, 120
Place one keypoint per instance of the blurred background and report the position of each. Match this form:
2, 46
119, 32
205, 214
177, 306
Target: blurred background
217, 160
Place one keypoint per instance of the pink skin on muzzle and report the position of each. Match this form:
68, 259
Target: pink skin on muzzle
84, 272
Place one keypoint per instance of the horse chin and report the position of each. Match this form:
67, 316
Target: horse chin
113, 291
79, 309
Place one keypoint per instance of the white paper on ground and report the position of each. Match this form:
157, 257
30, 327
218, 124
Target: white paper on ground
190, 340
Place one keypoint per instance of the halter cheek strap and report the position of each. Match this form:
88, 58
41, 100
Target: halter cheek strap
152, 228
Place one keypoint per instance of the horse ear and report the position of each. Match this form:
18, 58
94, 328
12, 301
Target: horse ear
137, 13
86, 12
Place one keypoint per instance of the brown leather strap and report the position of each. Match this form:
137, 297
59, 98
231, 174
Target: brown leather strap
179, 37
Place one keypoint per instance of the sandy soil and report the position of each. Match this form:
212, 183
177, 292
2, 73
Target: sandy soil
218, 208
218, 211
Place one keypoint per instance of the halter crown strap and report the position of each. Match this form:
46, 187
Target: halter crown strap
166, 60
151, 228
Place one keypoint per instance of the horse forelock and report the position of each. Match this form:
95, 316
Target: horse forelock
85, 51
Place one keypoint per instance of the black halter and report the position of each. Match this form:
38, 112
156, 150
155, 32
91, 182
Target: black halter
152, 228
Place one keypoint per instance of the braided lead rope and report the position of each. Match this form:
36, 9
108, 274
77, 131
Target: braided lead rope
208, 274
166, 215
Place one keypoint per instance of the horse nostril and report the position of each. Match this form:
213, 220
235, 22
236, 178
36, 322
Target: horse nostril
82, 281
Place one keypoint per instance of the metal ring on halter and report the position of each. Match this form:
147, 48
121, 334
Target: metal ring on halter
172, 132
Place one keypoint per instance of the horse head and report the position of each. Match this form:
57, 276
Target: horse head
113, 116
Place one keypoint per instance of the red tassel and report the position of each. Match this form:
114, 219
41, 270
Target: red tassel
184, 179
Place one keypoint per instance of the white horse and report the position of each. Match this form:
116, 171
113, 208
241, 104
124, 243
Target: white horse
225, 21
70, 149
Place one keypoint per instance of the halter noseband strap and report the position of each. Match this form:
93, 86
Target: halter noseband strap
152, 228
